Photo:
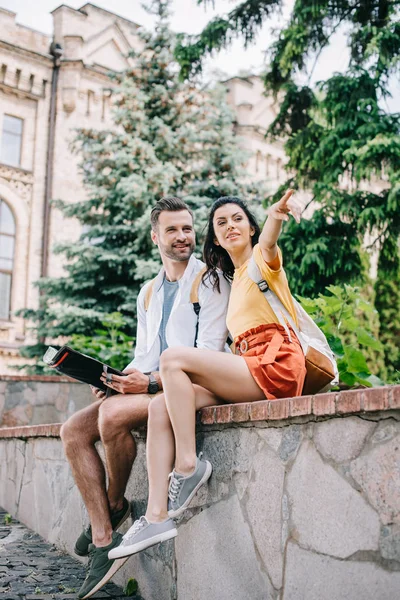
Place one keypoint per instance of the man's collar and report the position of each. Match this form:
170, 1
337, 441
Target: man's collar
159, 280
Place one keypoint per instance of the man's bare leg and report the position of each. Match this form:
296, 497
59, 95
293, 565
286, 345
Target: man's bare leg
118, 415
79, 435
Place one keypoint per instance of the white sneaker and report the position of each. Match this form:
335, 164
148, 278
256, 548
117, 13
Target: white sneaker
142, 535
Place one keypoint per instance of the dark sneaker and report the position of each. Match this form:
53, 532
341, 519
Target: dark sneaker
117, 518
100, 567
182, 489
142, 535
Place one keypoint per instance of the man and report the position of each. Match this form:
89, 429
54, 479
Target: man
166, 318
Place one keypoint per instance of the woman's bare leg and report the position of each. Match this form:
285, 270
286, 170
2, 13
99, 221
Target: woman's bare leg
225, 375
161, 451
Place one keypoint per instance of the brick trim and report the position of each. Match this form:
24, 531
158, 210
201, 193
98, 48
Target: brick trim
336, 403
30, 431
321, 405
51, 378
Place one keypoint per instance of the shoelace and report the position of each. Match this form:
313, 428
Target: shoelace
174, 487
175, 484
136, 527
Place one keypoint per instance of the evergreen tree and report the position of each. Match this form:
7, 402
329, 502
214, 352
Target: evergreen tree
387, 302
170, 138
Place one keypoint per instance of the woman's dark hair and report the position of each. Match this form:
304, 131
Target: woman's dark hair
216, 257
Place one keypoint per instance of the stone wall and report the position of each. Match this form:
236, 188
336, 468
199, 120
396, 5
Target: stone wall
303, 503
31, 400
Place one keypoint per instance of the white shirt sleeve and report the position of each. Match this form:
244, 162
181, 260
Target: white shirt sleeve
141, 333
212, 318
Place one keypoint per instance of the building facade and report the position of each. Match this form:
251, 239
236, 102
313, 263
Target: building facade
49, 87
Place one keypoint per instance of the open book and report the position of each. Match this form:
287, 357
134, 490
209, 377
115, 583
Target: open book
79, 366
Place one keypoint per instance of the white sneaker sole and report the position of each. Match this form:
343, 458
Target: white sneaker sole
115, 567
126, 551
175, 513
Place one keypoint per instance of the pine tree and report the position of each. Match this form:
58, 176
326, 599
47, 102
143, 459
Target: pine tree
170, 138
387, 302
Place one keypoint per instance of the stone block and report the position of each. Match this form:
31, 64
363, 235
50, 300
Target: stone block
385, 431
341, 440
216, 558
328, 515
264, 499
378, 474
44, 414
154, 578
290, 443
389, 543
313, 577
137, 489
12, 464
272, 436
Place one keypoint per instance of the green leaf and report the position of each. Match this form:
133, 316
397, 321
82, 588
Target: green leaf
366, 339
356, 362
131, 587
347, 378
336, 345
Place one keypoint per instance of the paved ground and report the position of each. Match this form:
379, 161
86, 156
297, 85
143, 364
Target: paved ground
32, 569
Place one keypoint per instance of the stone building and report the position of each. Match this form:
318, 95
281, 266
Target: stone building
49, 86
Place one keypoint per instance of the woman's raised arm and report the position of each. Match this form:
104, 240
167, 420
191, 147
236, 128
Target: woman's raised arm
277, 213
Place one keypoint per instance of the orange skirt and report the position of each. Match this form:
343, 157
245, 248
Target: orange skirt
276, 363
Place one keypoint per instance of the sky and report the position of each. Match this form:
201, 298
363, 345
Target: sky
190, 18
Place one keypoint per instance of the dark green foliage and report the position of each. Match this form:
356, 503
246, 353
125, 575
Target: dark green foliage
168, 138
245, 19
387, 302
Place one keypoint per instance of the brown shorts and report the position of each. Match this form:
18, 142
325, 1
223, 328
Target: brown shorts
276, 363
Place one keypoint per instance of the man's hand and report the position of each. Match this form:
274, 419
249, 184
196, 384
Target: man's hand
135, 382
286, 205
98, 394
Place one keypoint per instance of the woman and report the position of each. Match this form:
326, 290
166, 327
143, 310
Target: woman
268, 363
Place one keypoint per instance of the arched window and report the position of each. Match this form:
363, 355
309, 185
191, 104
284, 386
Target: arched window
7, 244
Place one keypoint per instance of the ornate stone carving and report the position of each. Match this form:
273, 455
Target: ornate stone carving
18, 180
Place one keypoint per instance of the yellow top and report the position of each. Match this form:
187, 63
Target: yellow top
248, 307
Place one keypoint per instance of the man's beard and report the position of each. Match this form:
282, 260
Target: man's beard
177, 253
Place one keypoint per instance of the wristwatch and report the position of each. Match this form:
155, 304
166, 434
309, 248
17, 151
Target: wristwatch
153, 385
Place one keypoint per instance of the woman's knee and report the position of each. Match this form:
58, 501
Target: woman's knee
171, 359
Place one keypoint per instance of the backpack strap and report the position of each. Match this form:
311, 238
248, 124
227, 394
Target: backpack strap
282, 314
194, 299
149, 293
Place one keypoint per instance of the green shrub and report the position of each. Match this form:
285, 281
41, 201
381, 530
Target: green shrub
348, 321
110, 345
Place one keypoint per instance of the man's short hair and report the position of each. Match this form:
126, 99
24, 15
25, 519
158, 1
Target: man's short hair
170, 203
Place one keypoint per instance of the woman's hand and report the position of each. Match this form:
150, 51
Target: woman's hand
285, 207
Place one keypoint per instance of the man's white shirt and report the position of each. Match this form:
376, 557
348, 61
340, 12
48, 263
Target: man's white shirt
181, 326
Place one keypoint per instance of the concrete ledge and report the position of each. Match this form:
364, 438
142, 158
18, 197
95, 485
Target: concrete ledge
53, 378
352, 402
31, 431
334, 403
